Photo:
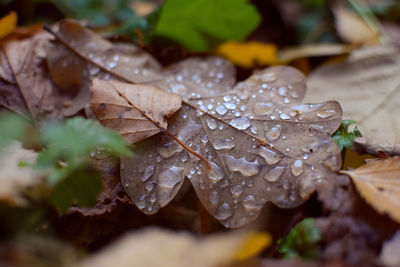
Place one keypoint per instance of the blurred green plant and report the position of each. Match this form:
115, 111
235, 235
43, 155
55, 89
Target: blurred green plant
302, 241
343, 137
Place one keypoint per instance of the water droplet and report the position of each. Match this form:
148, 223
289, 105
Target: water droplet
223, 144
282, 91
236, 190
204, 139
305, 156
224, 212
267, 77
243, 95
178, 88
325, 113
215, 173
141, 204
230, 105
243, 108
214, 197
254, 130
184, 158
148, 172
167, 148
221, 110
250, 204
227, 98
158, 158
240, 123
274, 133
297, 167
211, 123
273, 174
169, 178
245, 167
221, 126
284, 116
271, 157
262, 108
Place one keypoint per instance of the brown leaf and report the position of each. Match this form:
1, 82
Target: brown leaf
155, 247
26, 60
378, 183
134, 111
370, 77
256, 142
389, 255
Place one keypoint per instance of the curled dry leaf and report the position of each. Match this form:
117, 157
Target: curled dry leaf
134, 111
155, 247
370, 77
379, 184
256, 144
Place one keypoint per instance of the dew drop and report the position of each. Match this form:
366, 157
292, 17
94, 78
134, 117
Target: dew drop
148, 172
273, 174
221, 110
250, 204
267, 77
254, 130
214, 197
149, 186
245, 167
284, 116
223, 144
274, 133
325, 113
224, 212
243, 95
230, 105
211, 123
227, 98
282, 91
236, 190
271, 157
297, 167
168, 149
169, 178
240, 123
215, 173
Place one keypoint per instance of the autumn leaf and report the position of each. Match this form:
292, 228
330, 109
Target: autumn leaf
378, 183
246, 137
8, 23
134, 111
369, 77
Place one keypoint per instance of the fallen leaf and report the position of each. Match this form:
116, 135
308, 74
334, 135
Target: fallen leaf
252, 245
26, 62
370, 77
17, 183
8, 24
155, 247
352, 28
249, 54
134, 111
378, 183
313, 50
248, 149
389, 255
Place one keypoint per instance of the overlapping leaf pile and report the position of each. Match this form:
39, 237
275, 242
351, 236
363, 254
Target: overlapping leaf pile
239, 147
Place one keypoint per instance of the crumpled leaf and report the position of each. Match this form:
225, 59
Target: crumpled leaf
369, 77
378, 183
26, 63
8, 23
155, 247
192, 23
134, 111
18, 182
257, 144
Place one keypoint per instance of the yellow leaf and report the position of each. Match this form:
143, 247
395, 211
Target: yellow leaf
249, 54
8, 24
253, 244
378, 182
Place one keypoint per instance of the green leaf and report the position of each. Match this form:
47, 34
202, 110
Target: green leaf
12, 127
197, 23
81, 186
343, 138
302, 241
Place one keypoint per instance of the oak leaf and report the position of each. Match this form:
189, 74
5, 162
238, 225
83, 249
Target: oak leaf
379, 184
134, 111
256, 144
369, 77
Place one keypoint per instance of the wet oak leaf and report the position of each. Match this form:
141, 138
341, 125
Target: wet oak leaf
134, 111
257, 144
379, 184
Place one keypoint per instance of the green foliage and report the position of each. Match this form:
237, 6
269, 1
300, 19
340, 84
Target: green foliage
302, 241
99, 12
197, 24
343, 138
12, 127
